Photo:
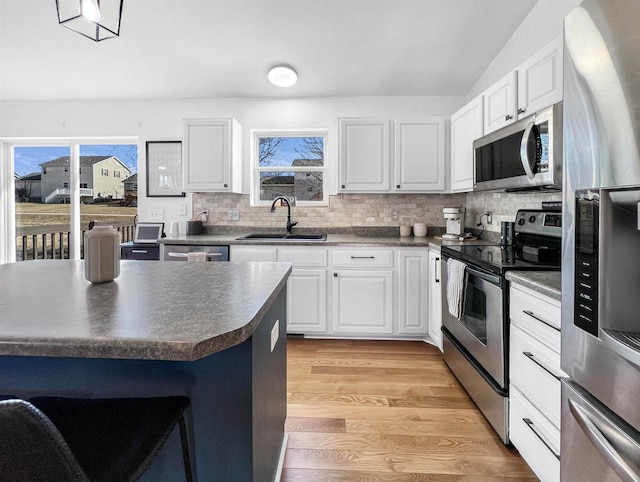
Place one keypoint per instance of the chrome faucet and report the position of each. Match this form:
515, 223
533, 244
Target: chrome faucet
273, 208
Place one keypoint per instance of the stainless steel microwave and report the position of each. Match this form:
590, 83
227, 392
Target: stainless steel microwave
525, 155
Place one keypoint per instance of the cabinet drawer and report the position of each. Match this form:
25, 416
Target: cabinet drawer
534, 368
362, 258
536, 314
140, 252
535, 438
303, 256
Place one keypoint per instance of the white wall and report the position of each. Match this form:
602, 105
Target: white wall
162, 120
541, 26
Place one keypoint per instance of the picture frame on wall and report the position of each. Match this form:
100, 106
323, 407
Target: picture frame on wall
164, 169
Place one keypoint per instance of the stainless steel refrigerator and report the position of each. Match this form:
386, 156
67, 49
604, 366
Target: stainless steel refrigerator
600, 438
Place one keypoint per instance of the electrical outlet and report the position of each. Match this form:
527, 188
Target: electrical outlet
292, 200
183, 210
275, 334
205, 216
395, 214
234, 215
156, 214
489, 217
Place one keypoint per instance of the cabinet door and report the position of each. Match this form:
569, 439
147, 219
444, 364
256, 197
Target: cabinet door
419, 154
466, 127
244, 254
364, 155
500, 103
210, 155
540, 80
362, 301
307, 301
413, 292
435, 299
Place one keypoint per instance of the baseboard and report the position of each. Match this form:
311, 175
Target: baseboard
283, 450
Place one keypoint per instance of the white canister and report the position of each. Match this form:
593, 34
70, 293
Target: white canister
101, 254
420, 229
405, 230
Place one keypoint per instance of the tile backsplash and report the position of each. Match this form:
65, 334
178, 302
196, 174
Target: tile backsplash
504, 205
372, 210
344, 210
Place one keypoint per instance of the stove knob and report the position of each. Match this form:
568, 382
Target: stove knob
520, 221
532, 219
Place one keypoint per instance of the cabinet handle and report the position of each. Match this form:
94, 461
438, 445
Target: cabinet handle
508, 117
531, 357
535, 431
343, 186
436, 271
335, 275
140, 251
521, 111
535, 317
363, 257
397, 186
226, 185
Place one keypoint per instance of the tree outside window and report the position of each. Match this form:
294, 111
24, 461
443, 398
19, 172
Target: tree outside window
290, 164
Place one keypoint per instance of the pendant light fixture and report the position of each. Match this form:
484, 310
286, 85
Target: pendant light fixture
282, 76
94, 19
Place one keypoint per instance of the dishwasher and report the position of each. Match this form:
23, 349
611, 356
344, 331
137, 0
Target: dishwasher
180, 252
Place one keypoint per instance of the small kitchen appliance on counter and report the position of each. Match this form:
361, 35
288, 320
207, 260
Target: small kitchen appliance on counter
455, 223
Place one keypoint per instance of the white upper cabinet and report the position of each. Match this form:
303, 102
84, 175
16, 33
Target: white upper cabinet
364, 155
500, 103
212, 155
419, 154
466, 126
540, 79
534, 85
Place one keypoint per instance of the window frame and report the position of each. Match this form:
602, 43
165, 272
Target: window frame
257, 134
7, 185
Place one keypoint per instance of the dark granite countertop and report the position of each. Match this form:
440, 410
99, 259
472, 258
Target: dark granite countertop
152, 311
353, 240
546, 282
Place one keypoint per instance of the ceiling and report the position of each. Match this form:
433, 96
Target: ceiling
223, 48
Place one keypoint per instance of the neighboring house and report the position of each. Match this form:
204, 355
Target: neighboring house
100, 177
274, 186
131, 190
305, 186
28, 187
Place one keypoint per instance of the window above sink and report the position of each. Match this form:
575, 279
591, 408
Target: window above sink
289, 163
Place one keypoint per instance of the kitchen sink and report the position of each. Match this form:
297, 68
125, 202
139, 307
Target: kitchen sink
285, 237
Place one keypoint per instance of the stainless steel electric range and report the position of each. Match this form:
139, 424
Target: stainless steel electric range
476, 340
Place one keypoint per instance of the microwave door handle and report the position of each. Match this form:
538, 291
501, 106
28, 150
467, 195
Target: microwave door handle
603, 445
524, 154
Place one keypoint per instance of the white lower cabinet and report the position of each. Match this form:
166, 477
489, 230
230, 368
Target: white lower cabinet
413, 292
383, 292
435, 299
306, 287
534, 389
307, 301
362, 301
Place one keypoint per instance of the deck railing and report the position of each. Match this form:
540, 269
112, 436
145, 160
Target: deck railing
52, 241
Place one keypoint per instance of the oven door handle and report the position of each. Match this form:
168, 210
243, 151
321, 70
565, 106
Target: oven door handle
491, 278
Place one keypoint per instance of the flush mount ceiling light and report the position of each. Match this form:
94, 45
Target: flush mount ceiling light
94, 19
282, 76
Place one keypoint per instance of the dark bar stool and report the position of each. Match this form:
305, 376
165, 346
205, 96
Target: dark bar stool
96, 440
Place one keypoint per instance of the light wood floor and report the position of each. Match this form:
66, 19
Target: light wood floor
386, 410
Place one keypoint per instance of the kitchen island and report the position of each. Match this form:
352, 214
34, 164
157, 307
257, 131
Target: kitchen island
215, 332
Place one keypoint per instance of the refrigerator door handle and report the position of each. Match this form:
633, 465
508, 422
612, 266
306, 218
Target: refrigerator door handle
617, 463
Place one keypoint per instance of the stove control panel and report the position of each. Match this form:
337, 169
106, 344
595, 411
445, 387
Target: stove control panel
545, 223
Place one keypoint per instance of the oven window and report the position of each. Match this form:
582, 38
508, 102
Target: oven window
475, 310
